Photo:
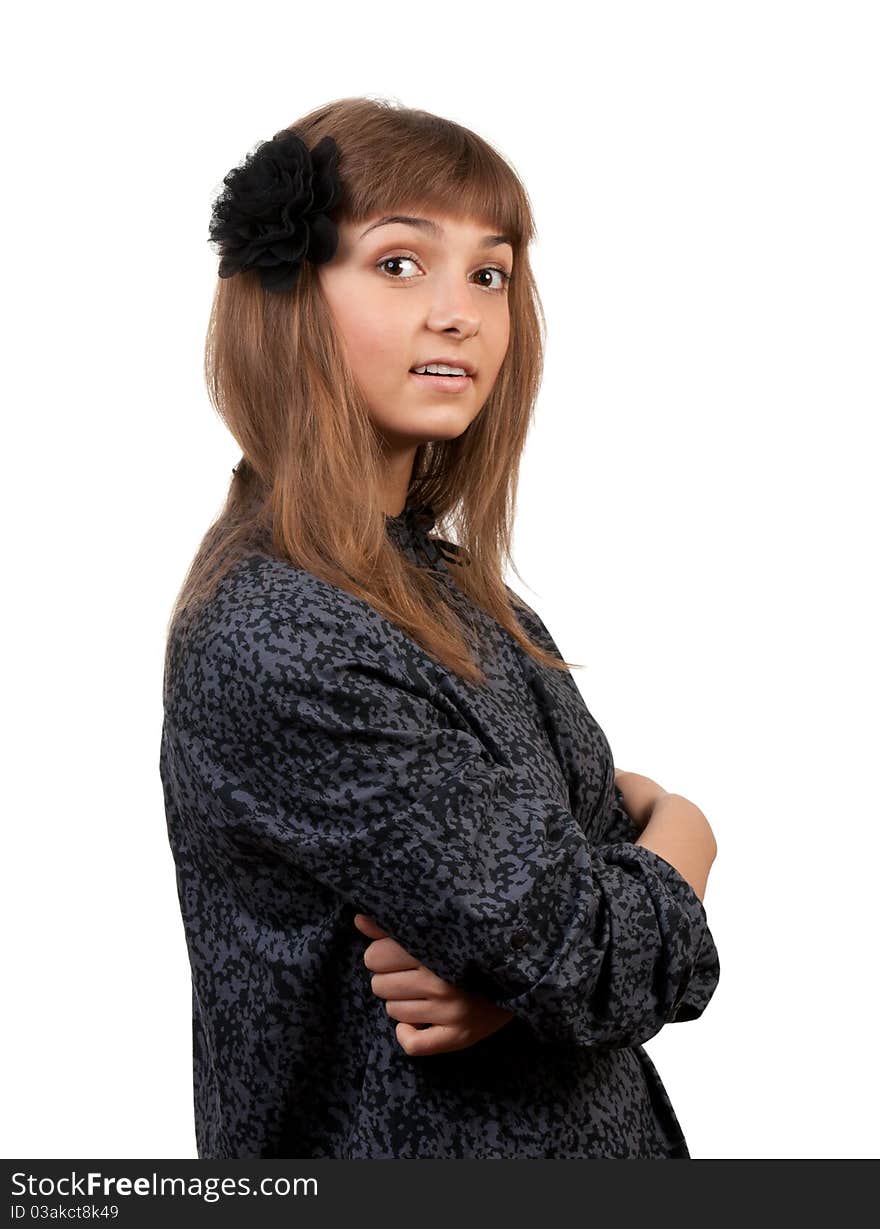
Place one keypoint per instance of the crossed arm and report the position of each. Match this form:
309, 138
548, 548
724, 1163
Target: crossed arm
436, 1017
415, 996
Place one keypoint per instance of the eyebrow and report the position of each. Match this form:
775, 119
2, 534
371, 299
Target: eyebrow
425, 224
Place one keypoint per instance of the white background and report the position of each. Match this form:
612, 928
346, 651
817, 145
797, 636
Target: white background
697, 519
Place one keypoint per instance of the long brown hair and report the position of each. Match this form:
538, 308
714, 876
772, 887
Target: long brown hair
307, 489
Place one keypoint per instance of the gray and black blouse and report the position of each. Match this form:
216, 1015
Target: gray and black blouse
317, 763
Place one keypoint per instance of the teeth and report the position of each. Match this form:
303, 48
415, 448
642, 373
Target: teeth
440, 369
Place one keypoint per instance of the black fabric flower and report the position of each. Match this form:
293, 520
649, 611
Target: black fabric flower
272, 212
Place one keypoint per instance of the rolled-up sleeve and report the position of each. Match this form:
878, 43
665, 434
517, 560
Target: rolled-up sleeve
318, 747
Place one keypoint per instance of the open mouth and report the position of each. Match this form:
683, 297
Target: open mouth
446, 383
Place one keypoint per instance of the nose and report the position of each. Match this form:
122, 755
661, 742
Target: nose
453, 305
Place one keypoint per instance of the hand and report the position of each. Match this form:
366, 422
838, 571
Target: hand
414, 995
640, 794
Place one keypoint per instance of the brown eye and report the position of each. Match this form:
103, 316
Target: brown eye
396, 260
504, 276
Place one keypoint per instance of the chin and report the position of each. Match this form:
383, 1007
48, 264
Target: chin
433, 423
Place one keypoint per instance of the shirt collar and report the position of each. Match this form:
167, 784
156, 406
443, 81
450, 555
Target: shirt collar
411, 530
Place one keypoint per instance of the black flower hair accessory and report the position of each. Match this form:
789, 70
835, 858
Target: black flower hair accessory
272, 212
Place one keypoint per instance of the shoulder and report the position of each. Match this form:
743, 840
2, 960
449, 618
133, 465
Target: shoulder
261, 589
273, 639
519, 604
270, 616
532, 623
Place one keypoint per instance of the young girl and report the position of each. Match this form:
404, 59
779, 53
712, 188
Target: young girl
424, 917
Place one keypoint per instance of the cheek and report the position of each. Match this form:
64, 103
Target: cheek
497, 341
372, 341
377, 352
504, 332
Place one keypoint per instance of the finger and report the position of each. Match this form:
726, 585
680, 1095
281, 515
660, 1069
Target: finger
420, 1011
387, 956
398, 986
367, 926
439, 1039
426, 1011
417, 983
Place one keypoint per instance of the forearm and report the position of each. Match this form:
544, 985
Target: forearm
679, 832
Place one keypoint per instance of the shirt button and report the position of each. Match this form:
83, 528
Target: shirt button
520, 938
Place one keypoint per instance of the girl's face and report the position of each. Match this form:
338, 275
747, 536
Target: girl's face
404, 293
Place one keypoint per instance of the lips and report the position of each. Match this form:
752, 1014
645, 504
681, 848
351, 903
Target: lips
444, 384
445, 375
445, 361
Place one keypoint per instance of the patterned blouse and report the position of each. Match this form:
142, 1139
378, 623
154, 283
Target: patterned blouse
317, 763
